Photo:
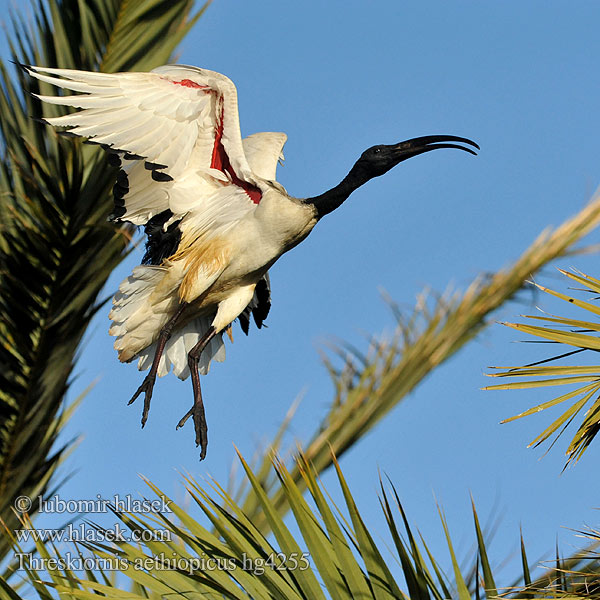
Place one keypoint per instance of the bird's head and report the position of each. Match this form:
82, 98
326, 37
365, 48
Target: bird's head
378, 160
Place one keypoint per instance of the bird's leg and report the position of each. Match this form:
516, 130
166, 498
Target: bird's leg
148, 383
197, 410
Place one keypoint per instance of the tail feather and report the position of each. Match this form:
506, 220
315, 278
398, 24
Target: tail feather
137, 314
141, 308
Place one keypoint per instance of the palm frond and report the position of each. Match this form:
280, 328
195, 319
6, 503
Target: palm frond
56, 248
585, 379
334, 556
369, 384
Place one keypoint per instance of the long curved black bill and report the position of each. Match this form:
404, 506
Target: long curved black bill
416, 146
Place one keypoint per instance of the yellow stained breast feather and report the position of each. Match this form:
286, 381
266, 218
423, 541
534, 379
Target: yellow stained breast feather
203, 260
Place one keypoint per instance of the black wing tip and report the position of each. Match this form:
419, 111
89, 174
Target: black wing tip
122, 178
157, 173
244, 320
150, 166
113, 159
161, 177
161, 243
66, 133
131, 156
93, 142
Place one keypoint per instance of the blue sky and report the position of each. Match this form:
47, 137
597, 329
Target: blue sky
338, 77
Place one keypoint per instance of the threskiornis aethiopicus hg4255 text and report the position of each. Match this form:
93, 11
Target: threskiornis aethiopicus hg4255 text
215, 218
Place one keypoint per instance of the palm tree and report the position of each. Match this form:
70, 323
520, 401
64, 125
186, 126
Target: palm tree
574, 336
336, 557
57, 251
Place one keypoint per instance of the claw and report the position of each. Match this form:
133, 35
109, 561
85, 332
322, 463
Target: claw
197, 412
201, 429
146, 387
185, 417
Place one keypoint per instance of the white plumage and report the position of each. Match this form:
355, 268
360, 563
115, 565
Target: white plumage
172, 118
216, 218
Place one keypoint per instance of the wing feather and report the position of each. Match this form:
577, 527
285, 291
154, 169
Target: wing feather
263, 151
175, 119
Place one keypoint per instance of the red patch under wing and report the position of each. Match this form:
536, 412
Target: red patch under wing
190, 84
220, 161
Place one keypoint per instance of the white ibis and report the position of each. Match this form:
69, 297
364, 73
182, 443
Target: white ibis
215, 218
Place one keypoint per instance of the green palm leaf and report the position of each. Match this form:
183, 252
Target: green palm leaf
587, 395
368, 385
56, 248
334, 556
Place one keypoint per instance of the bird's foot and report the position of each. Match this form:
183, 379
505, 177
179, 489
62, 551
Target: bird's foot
201, 429
197, 412
147, 388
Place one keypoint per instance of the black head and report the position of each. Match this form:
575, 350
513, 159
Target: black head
378, 160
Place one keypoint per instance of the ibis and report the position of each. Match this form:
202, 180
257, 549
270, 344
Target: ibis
214, 215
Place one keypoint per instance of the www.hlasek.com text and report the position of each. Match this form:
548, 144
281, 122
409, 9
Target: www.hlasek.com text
83, 532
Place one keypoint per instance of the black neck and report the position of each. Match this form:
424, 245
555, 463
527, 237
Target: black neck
332, 199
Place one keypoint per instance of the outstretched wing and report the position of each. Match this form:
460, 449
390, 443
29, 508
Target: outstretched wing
169, 126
